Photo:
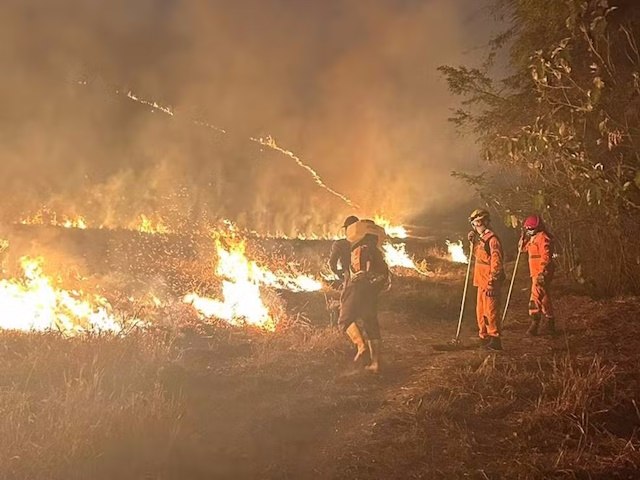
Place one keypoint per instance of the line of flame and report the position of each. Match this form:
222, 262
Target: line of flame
266, 142
154, 105
146, 225
39, 218
397, 256
394, 231
242, 279
33, 303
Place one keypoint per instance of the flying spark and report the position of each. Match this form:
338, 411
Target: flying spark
153, 105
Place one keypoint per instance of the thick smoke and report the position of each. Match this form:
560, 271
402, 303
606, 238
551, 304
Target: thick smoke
349, 86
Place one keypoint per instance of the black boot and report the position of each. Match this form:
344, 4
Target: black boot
495, 343
534, 326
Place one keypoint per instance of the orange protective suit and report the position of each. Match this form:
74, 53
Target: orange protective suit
540, 251
488, 275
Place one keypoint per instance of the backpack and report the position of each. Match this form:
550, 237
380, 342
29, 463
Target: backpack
356, 232
367, 261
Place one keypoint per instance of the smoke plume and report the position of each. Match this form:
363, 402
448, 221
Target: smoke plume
349, 86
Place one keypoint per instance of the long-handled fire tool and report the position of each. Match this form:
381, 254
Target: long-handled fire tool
455, 343
456, 340
513, 278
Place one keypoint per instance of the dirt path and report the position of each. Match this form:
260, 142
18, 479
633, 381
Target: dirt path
275, 410
291, 415
268, 411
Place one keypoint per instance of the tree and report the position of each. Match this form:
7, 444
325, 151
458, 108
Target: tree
561, 134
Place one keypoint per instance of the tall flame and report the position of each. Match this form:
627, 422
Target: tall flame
242, 278
34, 303
456, 252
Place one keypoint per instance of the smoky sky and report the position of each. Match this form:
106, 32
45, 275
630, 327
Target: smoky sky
350, 86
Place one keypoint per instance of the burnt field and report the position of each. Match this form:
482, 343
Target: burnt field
200, 399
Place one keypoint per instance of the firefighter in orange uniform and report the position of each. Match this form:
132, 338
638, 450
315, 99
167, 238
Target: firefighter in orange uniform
488, 276
538, 244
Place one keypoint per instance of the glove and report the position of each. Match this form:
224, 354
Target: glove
471, 236
540, 279
524, 239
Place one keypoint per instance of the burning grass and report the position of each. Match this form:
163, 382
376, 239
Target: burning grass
202, 400
211, 400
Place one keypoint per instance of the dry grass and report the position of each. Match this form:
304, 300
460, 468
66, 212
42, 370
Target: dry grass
565, 417
209, 401
75, 408
109, 407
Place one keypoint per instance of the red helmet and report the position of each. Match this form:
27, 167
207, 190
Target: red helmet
532, 222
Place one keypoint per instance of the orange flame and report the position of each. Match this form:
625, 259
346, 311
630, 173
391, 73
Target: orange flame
456, 252
269, 142
33, 303
242, 279
78, 222
46, 217
395, 231
397, 256
146, 225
